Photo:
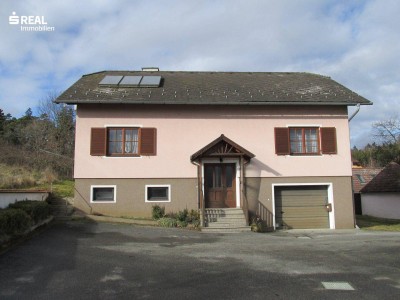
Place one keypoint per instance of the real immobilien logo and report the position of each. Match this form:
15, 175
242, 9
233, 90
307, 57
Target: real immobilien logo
30, 23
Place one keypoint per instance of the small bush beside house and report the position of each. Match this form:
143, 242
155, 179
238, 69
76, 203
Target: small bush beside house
181, 219
37, 210
20, 216
14, 221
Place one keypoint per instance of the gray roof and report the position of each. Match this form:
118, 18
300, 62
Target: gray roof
215, 88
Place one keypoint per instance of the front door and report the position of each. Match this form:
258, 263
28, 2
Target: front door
220, 185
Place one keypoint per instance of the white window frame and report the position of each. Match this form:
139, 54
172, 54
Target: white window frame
92, 187
157, 185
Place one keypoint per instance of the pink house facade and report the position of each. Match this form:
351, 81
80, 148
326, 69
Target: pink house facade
275, 145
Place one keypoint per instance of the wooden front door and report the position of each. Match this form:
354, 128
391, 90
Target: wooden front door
220, 185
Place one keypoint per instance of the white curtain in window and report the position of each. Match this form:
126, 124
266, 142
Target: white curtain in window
131, 141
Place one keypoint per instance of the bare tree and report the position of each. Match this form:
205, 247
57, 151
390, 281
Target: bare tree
388, 131
48, 109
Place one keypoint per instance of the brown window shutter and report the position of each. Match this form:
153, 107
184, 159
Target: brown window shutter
282, 144
148, 141
328, 140
98, 141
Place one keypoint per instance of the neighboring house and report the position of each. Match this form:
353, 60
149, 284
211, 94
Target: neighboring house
361, 177
276, 145
381, 196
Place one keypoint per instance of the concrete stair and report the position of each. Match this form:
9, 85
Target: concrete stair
61, 209
225, 220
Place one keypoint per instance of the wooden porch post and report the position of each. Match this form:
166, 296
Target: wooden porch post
243, 199
200, 192
241, 182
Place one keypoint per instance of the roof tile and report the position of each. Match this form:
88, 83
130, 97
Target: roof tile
218, 88
388, 180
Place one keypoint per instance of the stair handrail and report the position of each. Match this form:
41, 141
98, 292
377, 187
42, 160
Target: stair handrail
245, 208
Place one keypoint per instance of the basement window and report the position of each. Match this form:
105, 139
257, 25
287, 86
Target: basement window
158, 193
103, 193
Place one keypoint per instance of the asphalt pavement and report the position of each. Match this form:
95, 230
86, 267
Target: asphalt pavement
90, 260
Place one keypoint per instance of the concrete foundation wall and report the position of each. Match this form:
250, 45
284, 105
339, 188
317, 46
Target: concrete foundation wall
130, 196
7, 198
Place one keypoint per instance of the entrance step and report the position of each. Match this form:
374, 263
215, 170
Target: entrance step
60, 208
224, 220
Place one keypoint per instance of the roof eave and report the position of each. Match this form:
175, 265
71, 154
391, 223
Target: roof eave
87, 101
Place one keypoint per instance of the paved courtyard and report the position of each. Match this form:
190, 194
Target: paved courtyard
88, 260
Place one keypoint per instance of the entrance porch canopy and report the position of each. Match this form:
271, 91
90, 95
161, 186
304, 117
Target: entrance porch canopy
222, 147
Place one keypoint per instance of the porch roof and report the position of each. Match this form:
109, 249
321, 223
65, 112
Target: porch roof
222, 147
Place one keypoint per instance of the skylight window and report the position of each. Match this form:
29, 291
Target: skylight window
360, 178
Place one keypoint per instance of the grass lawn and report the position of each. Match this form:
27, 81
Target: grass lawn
60, 189
64, 188
372, 223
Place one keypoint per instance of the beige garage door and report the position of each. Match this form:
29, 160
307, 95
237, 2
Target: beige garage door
301, 207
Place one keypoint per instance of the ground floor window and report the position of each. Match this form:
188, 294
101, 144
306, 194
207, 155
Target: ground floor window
158, 193
103, 193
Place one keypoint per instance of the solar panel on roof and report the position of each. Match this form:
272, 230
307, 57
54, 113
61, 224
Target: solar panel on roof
150, 81
130, 81
110, 80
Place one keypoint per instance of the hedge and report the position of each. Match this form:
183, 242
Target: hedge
37, 210
14, 221
20, 216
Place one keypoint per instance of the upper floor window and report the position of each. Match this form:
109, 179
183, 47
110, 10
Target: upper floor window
305, 140
123, 141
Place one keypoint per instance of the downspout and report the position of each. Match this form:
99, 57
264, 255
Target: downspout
352, 183
356, 112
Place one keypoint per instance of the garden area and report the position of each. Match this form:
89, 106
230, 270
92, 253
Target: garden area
20, 218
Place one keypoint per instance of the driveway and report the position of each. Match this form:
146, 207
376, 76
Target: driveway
87, 260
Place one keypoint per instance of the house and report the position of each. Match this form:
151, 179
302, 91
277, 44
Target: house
361, 177
381, 196
272, 145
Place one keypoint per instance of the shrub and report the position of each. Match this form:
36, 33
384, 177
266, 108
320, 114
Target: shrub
14, 221
182, 215
158, 212
257, 224
37, 210
181, 224
167, 222
193, 216
181, 219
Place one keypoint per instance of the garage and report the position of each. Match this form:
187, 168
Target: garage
300, 207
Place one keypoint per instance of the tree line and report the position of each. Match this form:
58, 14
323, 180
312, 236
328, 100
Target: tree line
41, 143
386, 147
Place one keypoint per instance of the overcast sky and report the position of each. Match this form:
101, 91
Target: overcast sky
357, 43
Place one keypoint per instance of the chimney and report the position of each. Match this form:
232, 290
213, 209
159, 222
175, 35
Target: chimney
150, 69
